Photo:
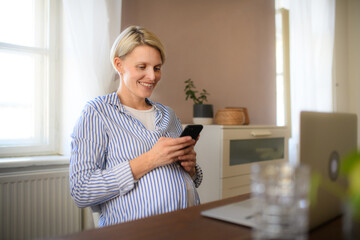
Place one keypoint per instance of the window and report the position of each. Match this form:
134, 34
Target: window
282, 63
27, 77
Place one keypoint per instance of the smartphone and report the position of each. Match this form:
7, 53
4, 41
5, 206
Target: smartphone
192, 130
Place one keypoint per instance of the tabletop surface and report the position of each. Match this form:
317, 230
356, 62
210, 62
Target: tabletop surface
189, 224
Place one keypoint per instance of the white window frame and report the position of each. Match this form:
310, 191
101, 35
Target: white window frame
282, 67
49, 144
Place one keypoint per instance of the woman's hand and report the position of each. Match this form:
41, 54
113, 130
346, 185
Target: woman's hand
188, 161
168, 150
165, 151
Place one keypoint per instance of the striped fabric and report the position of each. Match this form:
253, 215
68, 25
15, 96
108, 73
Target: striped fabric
105, 138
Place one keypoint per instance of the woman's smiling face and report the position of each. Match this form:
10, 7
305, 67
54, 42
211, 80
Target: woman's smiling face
140, 71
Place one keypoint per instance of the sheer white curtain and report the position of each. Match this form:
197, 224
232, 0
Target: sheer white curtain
89, 29
312, 27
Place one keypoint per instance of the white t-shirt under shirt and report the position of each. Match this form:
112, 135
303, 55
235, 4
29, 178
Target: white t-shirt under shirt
147, 118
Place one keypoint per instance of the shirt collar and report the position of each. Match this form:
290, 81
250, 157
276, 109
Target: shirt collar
114, 100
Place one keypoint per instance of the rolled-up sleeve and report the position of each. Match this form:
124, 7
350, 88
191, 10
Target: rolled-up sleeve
198, 177
91, 183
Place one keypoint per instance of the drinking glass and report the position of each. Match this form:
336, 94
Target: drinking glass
280, 195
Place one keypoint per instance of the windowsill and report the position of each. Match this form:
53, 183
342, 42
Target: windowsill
34, 161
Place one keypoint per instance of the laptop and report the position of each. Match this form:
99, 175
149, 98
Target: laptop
324, 139
242, 213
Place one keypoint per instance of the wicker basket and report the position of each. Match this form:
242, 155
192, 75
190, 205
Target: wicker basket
232, 116
243, 109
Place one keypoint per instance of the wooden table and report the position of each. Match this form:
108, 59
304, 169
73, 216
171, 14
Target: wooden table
189, 224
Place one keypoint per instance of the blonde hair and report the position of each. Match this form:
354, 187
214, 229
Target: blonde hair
132, 37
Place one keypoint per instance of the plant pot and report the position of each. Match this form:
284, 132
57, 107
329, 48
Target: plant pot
203, 114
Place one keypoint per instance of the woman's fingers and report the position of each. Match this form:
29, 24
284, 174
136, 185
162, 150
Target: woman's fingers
188, 161
177, 143
167, 150
188, 166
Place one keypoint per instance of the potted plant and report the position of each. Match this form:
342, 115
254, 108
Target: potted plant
202, 113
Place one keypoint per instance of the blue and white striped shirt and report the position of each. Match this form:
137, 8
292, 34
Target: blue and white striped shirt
105, 138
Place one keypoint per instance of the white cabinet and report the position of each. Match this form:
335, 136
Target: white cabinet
225, 154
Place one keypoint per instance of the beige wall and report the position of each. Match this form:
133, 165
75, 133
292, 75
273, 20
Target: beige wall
226, 47
347, 58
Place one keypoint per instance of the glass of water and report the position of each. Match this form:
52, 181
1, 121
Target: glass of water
280, 193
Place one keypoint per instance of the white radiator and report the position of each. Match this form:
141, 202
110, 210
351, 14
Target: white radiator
37, 205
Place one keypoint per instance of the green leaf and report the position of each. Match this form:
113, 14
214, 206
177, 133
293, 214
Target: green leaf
355, 205
190, 92
354, 179
315, 181
349, 162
